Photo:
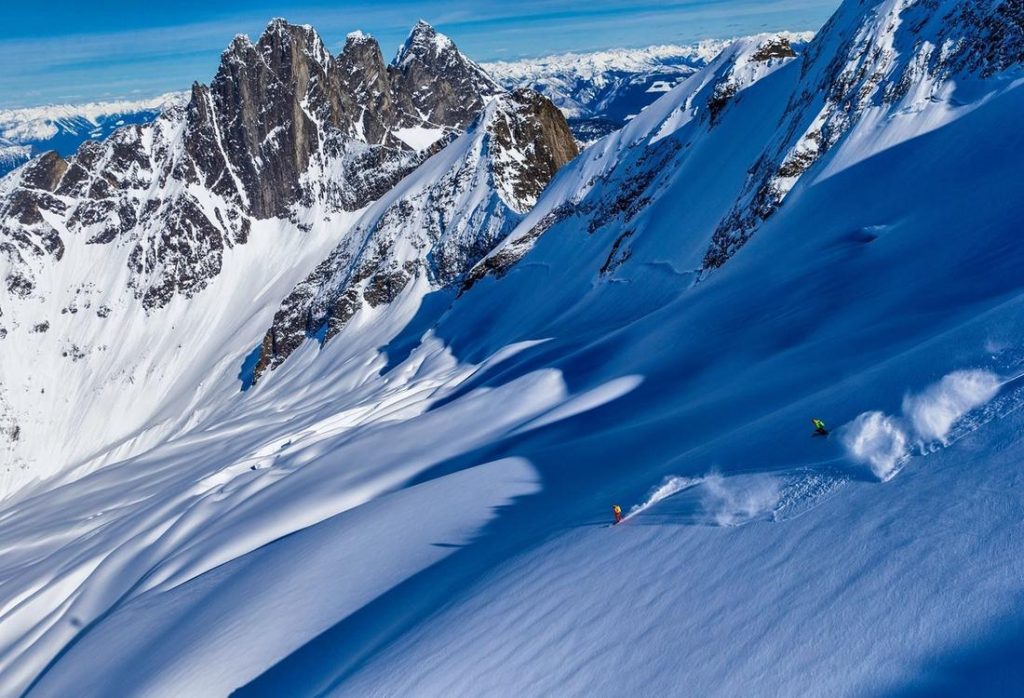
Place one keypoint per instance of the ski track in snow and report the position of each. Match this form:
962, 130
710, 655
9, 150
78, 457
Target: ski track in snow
960, 403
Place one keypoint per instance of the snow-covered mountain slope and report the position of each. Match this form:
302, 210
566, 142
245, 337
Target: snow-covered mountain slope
106, 256
618, 185
64, 127
873, 81
419, 505
600, 91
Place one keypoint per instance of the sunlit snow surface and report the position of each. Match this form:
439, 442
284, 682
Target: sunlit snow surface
375, 520
418, 137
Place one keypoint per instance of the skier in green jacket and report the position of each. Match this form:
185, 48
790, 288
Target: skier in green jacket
819, 428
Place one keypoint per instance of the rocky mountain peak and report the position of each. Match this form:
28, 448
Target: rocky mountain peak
360, 45
434, 79
45, 171
280, 38
283, 126
423, 43
237, 49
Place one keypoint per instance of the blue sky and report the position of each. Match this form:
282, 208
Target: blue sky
62, 51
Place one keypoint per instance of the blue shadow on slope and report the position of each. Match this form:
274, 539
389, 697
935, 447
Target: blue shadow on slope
432, 307
990, 666
248, 372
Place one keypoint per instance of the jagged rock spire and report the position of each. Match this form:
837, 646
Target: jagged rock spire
434, 79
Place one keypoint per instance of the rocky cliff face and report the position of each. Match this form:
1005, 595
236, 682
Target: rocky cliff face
27, 238
434, 83
333, 182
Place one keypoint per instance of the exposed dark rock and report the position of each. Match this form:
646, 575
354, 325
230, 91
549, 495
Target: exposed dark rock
633, 193
258, 109
283, 124
384, 287
775, 48
530, 124
73, 352
24, 230
618, 254
183, 258
364, 91
723, 92
44, 172
18, 284
433, 79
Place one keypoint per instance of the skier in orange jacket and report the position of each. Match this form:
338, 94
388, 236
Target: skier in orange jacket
617, 510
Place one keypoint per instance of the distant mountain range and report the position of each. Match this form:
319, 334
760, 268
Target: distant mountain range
600, 91
64, 127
